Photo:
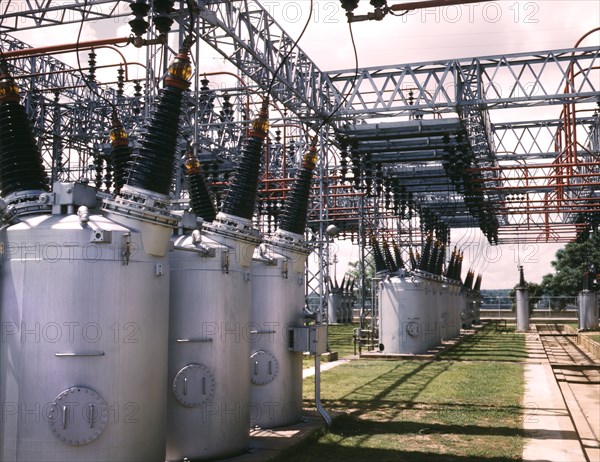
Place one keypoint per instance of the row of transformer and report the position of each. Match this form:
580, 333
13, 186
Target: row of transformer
123, 340
420, 308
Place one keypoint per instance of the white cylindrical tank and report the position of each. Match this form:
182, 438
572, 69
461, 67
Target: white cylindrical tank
588, 310
455, 307
277, 305
440, 313
209, 341
334, 306
522, 296
403, 302
84, 316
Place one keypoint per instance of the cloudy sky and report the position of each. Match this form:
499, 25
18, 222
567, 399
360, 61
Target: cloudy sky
480, 29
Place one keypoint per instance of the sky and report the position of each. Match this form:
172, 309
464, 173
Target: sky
480, 29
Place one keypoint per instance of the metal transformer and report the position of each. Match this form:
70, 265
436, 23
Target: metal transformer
84, 316
403, 318
522, 296
334, 307
209, 341
439, 314
277, 308
588, 310
455, 306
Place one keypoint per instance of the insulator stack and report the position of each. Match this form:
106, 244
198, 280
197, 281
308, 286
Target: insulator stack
439, 264
92, 66
477, 286
424, 260
152, 167
293, 218
120, 154
21, 167
398, 256
468, 284
451, 264
389, 259
240, 197
161, 20
380, 265
201, 199
522, 282
139, 25
413, 260
431, 265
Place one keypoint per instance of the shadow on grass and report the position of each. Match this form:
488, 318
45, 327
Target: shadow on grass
346, 447
351, 426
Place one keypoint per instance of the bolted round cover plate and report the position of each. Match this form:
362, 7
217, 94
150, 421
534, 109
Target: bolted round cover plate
413, 329
77, 416
194, 384
263, 367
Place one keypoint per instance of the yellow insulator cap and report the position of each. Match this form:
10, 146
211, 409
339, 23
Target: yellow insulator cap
180, 71
192, 164
310, 157
118, 133
8, 89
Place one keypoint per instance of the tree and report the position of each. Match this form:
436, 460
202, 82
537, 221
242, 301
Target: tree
536, 291
355, 273
570, 264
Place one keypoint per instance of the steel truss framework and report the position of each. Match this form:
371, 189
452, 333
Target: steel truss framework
538, 176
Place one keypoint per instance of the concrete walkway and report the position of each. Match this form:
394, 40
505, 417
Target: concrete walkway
310, 371
552, 435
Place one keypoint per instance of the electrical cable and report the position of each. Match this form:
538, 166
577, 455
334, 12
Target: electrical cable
352, 85
285, 58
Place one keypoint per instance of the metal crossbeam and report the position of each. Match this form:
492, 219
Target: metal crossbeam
247, 36
21, 15
503, 81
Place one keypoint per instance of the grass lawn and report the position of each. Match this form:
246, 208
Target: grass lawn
594, 337
439, 411
493, 342
340, 341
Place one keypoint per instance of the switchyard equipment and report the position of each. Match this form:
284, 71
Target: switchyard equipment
211, 317
278, 310
414, 149
86, 393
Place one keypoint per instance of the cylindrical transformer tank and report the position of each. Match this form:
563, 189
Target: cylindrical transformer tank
403, 305
438, 315
348, 303
334, 307
454, 309
277, 305
522, 296
209, 341
588, 310
84, 316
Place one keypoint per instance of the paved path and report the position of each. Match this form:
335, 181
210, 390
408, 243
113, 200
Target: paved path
563, 401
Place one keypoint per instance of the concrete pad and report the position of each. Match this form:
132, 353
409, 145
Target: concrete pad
268, 444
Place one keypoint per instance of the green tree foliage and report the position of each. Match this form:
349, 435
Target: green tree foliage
570, 264
536, 291
354, 272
